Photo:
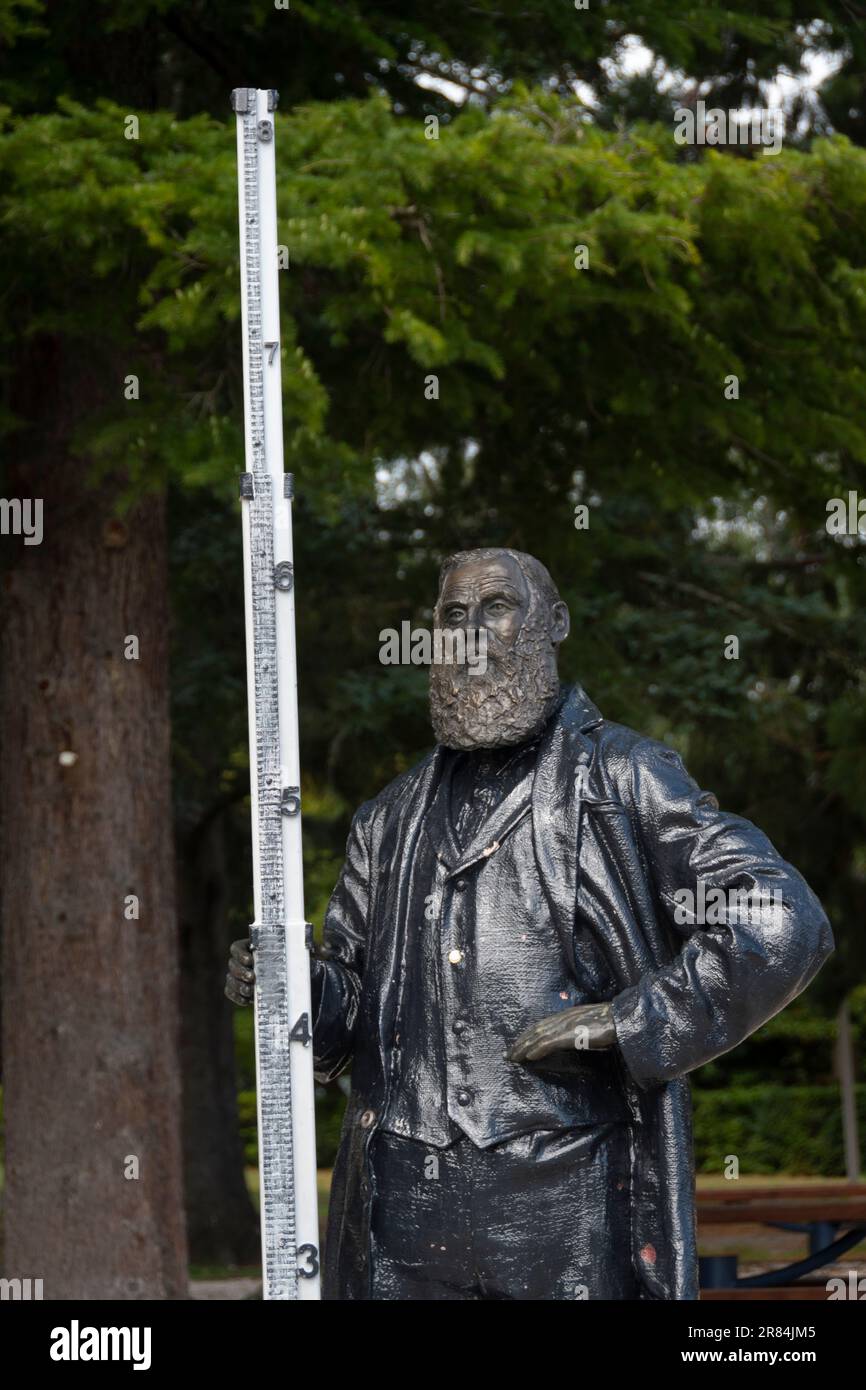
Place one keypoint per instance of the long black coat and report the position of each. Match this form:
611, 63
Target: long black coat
618, 828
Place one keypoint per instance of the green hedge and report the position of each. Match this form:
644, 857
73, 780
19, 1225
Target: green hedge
773, 1129
330, 1104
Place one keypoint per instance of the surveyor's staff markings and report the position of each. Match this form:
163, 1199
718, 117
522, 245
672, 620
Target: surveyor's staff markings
287, 1166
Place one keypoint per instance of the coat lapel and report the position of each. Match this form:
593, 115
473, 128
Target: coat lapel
558, 794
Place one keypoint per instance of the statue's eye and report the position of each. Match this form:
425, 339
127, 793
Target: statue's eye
497, 606
455, 615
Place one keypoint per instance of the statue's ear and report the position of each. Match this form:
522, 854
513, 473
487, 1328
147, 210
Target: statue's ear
560, 622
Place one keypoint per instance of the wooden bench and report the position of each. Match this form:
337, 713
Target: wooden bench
783, 1293
831, 1214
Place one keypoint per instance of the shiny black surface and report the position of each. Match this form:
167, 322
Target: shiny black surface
613, 828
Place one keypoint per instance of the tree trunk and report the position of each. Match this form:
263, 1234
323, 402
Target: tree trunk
223, 1228
94, 1186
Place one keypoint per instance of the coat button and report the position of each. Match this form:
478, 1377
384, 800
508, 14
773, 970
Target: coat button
464, 1097
367, 1119
455, 956
460, 885
459, 1025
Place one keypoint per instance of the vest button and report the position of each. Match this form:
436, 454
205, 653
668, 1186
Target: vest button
367, 1119
459, 1025
464, 1097
455, 956
460, 885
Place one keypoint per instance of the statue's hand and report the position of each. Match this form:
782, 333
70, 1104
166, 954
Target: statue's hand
241, 976
586, 1026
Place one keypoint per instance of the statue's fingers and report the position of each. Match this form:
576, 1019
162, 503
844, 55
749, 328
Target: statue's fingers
236, 992
241, 973
591, 1014
240, 951
561, 1033
528, 1033
550, 1026
549, 1031
517, 1052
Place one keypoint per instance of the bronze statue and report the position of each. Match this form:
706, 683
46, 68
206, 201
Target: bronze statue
513, 970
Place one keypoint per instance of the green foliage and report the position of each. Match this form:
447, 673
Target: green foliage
18, 19
183, 54
330, 1107
556, 386
773, 1129
411, 255
794, 1049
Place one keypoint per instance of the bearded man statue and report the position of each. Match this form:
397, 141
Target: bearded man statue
507, 970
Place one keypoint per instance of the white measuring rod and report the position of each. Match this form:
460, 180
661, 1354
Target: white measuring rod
280, 936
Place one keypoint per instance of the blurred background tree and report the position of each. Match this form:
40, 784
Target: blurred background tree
558, 387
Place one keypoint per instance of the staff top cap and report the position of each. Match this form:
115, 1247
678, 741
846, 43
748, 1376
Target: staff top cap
244, 99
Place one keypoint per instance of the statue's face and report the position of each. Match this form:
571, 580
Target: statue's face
513, 697
492, 594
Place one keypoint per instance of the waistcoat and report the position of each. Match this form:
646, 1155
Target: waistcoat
484, 961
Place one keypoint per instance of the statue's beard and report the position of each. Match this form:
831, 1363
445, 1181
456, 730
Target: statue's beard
507, 703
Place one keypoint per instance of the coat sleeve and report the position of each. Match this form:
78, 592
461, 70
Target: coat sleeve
727, 978
337, 972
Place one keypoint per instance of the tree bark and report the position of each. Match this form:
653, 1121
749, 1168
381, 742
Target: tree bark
94, 1185
222, 1225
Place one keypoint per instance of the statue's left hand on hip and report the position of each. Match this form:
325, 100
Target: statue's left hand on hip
585, 1027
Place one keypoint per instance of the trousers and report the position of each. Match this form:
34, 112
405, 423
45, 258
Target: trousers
543, 1216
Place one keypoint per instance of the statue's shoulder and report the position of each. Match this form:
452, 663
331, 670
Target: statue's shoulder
590, 730
617, 753
626, 759
614, 748
401, 788
611, 738
579, 715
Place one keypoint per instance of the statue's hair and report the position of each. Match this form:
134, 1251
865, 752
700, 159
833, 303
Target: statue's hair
534, 572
